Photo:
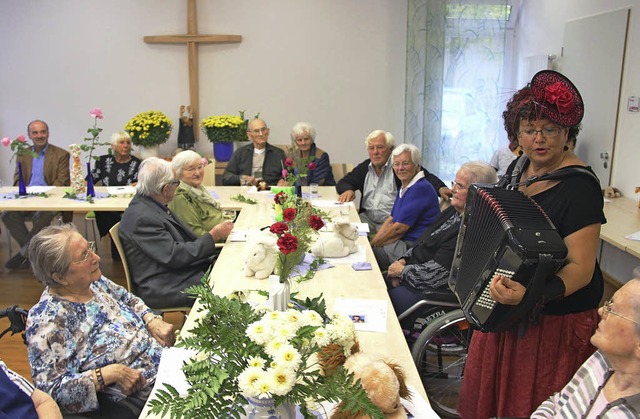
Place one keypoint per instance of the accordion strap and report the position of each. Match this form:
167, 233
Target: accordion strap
561, 173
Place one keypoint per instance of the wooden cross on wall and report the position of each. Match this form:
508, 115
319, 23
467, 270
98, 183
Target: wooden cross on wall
192, 39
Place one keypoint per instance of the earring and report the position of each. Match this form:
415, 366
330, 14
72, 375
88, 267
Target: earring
566, 148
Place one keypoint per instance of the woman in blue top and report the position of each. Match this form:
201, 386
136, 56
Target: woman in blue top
303, 137
416, 208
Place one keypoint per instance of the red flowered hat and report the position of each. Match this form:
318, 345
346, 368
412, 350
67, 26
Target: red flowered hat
559, 100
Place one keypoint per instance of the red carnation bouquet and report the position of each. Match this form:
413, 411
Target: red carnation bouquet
300, 222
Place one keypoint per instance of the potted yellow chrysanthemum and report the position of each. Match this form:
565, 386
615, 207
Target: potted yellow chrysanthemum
149, 130
223, 131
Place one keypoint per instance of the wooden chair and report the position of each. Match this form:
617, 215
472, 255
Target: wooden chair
209, 178
114, 233
340, 170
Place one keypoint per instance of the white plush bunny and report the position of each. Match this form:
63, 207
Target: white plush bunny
340, 244
261, 257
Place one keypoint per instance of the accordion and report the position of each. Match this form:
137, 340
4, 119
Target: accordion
502, 232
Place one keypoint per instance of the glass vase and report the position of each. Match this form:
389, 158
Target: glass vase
22, 187
90, 190
267, 409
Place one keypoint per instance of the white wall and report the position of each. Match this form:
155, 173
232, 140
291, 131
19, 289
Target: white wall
338, 64
541, 30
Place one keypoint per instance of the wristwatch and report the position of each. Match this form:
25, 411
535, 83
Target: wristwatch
156, 316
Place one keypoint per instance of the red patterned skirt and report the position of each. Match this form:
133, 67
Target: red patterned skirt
509, 376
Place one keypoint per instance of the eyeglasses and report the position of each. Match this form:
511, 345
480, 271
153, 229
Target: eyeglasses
458, 186
194, 168
91, 250
402, 164
259, 131
606, 308
546, 132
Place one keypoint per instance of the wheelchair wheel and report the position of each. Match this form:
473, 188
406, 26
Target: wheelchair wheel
440, 354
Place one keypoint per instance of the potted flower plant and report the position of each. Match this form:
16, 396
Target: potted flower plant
149, 130
223, 131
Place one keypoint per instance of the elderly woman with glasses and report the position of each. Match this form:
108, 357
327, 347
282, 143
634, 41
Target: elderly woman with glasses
303, 138
192, 202
608, 383
92, 345
509, 373
118, 168
415, 208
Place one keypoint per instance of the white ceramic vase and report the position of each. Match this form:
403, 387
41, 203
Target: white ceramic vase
279, 293
146, 152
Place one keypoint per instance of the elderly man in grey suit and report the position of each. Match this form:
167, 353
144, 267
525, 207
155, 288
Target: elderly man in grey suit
163, 255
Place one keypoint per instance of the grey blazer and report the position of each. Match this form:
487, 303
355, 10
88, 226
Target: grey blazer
163, 255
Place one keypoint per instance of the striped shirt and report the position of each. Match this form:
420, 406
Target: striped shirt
578, 398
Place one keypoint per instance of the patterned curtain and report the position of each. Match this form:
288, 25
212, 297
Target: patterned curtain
455, 65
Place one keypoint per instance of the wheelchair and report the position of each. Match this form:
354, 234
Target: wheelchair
439, 342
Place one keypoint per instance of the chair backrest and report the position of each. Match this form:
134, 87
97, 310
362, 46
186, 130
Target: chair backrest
115, 237
209, 178
340, 170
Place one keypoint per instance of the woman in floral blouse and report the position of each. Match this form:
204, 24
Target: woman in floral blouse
119, 168
91, 344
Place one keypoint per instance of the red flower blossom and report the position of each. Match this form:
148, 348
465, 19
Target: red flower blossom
288, 243
289, 214
312, 166
288, 162
278, 228
280, 198
558, 94
316, 222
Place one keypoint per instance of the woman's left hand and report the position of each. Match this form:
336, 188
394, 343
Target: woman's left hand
506, 291
162, 332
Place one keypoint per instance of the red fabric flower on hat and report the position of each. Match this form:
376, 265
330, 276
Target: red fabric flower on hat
278, 228
316, 222
289, 214
288, 243
558, 94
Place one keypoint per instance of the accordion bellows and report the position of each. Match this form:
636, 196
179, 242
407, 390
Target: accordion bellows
503, 231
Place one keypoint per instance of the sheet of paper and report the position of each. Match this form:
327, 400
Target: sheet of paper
120, 190
39, 189
238, 235
417, 407
367, 315
170, 369
633, 236
324, 203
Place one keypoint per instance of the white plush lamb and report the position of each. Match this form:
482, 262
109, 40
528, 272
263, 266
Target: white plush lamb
340, 244
261, 257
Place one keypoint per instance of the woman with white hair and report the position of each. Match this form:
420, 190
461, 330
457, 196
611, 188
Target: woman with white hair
303, 137
415, 208
192, 202
118, 168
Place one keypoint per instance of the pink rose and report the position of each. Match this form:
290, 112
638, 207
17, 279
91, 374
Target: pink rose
96, 113
288, 162
6, 142
284, 173
312, 166
558, 94
21, 138
205, 161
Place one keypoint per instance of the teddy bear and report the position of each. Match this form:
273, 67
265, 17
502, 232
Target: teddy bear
340, 244
611, 192
384, 382
261, 257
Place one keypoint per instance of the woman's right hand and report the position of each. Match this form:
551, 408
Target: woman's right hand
129, 380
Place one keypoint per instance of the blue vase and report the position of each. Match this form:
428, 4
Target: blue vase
222, 151
90, 190
22, 187
266, 409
